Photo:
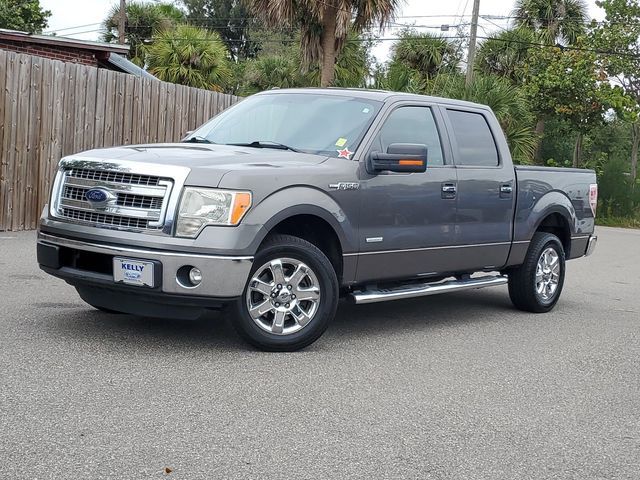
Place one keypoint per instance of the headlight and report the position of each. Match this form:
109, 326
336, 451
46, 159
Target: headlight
207, 206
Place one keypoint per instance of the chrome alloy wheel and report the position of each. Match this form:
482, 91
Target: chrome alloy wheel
283, 296
547, 274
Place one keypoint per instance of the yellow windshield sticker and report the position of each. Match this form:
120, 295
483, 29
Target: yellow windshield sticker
341, 142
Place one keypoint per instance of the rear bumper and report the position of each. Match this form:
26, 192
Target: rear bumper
88, 266
591, 245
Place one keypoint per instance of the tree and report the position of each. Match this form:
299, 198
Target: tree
618, 36
505, 53
565, 83
282, 67
143, 21
190, 56
24, 15
230, 18
508, 102
324, 25
556, 21
426, 53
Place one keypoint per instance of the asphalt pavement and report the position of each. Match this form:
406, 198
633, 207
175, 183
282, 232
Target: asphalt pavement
458, 386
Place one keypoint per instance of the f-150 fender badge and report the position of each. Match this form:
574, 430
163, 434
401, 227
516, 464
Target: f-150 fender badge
344, 186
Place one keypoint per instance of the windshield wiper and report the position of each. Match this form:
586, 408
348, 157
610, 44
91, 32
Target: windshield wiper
197, 139
265, 144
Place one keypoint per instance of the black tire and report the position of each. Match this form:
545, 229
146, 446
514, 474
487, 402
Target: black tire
522, 280
281, 247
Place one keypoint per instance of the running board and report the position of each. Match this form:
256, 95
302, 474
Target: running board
424, 289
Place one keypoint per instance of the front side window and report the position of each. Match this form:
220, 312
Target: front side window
411, 125
476, 146
311, 123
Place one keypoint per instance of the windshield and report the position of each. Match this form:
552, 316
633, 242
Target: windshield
311, 123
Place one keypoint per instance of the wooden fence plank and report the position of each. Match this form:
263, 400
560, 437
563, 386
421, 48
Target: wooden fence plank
79, 109
101, 103
58, 93
4, 95
68, 125
44, 133
9, 141
137, 127
20, 146
91, 93
31, 154
109, 111
127, 109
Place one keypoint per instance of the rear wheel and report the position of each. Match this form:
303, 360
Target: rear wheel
290, 298
536, 285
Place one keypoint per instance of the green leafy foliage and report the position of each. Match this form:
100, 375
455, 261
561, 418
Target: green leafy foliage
23, 15
190, 56
144, 20
555, 21
505, 54
230, 18
324, 26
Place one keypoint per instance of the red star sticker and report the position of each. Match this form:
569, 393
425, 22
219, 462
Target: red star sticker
345, 153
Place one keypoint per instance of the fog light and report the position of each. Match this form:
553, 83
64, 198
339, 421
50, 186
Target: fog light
195, 276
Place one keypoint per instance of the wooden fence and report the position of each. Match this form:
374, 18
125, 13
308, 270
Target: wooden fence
50, 109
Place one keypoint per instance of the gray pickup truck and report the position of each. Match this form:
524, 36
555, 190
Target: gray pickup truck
291, 199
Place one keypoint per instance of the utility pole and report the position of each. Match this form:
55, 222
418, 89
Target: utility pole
122, 22
472, 42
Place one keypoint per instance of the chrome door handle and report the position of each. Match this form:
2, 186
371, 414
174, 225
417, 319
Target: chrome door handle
506, 191
449, 190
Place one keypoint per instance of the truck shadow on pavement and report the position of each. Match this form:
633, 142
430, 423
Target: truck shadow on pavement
213, 331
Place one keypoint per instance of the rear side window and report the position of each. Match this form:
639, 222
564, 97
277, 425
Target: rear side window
476, 145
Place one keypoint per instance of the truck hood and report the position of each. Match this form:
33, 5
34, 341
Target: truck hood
208, 163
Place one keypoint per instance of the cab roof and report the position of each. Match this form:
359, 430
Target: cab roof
371, 94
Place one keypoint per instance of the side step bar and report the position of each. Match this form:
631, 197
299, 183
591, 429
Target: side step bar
424, 289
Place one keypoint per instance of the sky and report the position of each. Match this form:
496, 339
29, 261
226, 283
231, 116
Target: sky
81, 18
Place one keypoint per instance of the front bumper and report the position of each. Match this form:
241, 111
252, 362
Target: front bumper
88, 265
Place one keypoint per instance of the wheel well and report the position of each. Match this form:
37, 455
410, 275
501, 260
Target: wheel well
559, 226
314, 230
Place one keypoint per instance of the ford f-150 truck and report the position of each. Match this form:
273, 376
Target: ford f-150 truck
291, 199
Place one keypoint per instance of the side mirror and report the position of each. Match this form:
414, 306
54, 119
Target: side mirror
400, 157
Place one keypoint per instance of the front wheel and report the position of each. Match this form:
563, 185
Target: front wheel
536, 285
290, 297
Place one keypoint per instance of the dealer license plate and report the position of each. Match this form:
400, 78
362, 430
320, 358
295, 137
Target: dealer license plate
133, 272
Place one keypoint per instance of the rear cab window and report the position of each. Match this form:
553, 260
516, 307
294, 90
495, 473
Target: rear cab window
476, 145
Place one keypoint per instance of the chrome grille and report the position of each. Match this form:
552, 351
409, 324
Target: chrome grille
116, 177
122, 199
133, 201
104, 219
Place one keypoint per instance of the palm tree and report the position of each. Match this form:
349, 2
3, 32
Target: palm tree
190, 56
507, 101
426, 53
505, 53
282, 68
557, 21
143, 20
324, 24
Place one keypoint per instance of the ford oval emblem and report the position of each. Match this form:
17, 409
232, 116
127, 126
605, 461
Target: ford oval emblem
97, 195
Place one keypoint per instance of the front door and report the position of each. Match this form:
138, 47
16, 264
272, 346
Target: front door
406, 219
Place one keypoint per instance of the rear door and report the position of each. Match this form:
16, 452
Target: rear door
486, 187
407, 218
